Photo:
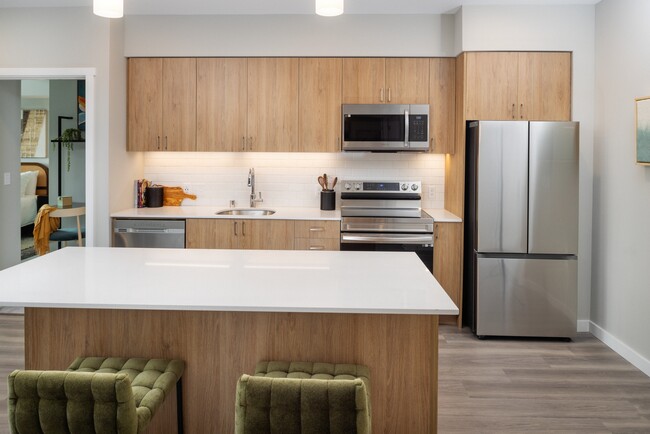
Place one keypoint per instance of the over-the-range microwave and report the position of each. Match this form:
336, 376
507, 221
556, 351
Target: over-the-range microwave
385, 127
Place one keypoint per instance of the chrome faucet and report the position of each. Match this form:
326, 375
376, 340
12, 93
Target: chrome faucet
251, 183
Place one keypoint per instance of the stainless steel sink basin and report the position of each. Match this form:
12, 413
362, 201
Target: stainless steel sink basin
246, 212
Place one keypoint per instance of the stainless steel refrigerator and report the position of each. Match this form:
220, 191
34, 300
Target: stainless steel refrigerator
521, 229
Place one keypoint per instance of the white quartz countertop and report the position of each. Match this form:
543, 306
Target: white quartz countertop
202, 212
226, 280
281, 213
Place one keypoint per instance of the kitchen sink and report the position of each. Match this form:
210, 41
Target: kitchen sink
246, 211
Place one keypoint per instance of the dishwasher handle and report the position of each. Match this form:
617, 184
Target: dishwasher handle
149, 231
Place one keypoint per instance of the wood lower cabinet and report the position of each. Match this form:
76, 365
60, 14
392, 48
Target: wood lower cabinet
318, 235
447, 263
239, 234
161, 107
518, 86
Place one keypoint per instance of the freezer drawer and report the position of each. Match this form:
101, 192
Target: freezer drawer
526, 297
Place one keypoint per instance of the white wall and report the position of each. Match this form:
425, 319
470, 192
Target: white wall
289, 35
74, 38
621, 236
288, 179
9, 163
548, 28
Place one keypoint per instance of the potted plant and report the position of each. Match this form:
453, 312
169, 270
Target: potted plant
67, 139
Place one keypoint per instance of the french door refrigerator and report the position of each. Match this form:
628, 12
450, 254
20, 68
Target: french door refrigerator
521, 230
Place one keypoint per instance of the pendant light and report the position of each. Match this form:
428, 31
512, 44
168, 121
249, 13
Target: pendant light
329, 8
108, 8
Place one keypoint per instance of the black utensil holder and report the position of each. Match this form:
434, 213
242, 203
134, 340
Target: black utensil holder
328, 200
153, 197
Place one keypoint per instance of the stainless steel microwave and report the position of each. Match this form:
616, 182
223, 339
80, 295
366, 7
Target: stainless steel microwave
385, 127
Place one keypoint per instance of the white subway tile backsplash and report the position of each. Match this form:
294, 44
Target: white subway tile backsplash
287, 179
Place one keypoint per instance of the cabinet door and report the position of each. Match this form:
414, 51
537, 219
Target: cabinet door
407, 81
273, 104
544, 88
447, 258
320, 105
179, 104
212, 234
144, 107
221, 99
442, 105
267, 235
364, 80
491, 85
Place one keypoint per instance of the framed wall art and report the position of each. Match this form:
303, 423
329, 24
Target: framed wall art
643, 131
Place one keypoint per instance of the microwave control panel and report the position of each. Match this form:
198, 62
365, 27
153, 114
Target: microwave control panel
418, 128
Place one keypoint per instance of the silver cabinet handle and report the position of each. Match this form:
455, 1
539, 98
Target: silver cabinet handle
381, 95
389, 98
235, 226
158, 143
243, 143
165, 143
316, 247
316, 229
514, 113
243, 229
521, 112
250, 143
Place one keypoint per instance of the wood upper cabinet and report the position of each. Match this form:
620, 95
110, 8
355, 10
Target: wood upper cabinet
447, 259
221, 102
518, 86
239, 234
442, 105
390, 80
272, 104
319, 128
162, 104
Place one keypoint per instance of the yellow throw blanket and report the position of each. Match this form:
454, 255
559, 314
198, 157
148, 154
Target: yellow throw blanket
44, 225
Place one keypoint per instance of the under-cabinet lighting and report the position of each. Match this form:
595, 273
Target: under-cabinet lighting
187, 265
108, 8
329, 8
287, 267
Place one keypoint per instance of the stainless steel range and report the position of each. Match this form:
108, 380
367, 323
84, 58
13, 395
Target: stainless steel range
386, 216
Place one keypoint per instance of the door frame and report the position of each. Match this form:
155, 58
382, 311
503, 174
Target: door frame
87, 74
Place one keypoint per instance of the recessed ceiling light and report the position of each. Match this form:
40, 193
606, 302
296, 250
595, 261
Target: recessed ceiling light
108, 8
329, 8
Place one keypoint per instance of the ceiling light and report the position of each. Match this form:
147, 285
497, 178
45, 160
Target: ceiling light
108, 8
329, 8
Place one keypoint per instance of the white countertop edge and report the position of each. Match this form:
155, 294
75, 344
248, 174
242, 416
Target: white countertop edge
442, 215
257, 309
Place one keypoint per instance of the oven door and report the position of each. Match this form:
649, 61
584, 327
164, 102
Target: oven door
420, 244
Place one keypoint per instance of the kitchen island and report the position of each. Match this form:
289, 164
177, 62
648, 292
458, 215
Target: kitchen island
222, 311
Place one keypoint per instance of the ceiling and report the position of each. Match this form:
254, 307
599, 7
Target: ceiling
245, 7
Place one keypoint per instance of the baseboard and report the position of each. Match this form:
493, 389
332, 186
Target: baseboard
583, 325
621, 348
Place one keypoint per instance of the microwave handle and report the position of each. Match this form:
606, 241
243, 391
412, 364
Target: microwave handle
406, 128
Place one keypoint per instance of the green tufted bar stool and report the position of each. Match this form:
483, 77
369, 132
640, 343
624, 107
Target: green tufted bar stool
94, 395
304, 398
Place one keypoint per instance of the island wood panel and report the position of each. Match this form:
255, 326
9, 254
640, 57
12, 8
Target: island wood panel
273, 104
544, 86
221, 104
442, 105
320, 105
363, 80
179, 104
447, 264
266, 234
144, 104
407, 80
211, 234
218, 347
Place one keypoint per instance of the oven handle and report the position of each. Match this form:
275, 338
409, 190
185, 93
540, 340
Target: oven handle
387, 239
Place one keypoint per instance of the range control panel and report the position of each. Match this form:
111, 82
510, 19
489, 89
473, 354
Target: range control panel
382, 186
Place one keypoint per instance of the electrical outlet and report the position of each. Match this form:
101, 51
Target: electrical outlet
7, 178
186, 188
432, 192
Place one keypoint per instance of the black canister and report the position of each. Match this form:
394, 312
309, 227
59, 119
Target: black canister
153, 196
328, 200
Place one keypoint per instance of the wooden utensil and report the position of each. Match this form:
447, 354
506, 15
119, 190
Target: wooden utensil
336, 179
173, 196
321, 182
325, 180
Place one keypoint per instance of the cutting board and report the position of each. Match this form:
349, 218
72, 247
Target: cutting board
173, 196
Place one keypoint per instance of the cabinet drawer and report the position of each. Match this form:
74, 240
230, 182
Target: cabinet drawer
317, 244
318, 229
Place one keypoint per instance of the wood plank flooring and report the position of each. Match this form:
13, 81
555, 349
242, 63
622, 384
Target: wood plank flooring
495, 385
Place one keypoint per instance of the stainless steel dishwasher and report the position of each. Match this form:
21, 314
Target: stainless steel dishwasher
149, 233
